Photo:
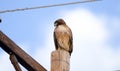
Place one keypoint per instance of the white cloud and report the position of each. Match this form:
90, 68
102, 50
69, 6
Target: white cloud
91, 53
86, 26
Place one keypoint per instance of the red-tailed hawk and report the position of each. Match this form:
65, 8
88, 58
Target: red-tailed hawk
63, 36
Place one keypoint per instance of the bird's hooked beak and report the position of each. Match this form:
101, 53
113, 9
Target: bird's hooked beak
55, 24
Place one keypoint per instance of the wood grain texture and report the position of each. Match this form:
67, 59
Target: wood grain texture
14, 62
60, 60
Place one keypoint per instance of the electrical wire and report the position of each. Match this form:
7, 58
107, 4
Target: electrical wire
47, 6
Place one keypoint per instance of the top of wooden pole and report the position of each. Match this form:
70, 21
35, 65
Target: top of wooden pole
60, 60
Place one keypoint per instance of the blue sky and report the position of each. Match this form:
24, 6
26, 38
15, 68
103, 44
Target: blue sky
95, 28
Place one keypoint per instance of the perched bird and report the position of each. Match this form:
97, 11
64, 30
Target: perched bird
63, 36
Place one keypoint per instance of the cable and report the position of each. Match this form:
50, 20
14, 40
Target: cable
47, 6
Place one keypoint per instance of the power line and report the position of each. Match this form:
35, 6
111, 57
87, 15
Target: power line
47, 6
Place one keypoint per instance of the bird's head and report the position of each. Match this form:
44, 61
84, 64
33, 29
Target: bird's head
59, 22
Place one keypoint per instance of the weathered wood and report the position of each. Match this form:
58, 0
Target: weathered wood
60, 61
23, 58
14, 62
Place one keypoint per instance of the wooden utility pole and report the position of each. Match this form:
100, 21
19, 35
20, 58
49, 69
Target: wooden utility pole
14, 61
60, 60
22, 57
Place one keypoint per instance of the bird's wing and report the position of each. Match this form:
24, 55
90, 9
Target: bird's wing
70, 41
55, 40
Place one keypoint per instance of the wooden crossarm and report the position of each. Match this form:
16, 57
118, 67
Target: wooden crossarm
14, 62
23, 58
